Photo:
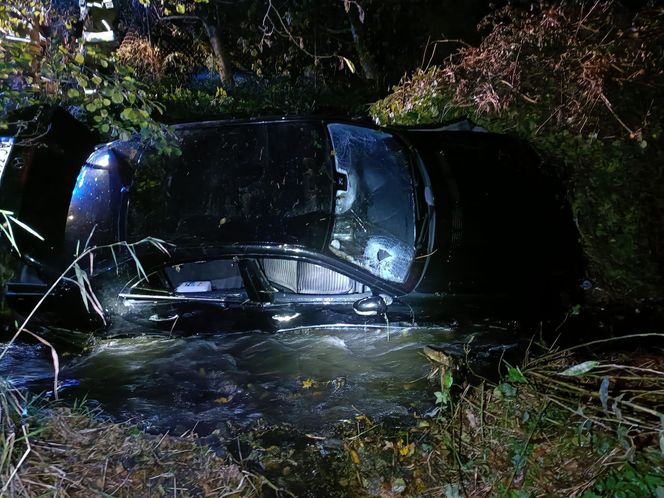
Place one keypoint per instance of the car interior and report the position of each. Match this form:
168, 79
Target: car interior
287, 276
216, 277
300, 277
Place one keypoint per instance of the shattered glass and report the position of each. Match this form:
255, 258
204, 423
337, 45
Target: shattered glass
374, 217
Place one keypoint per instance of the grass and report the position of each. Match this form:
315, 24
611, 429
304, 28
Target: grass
581, 421
53, 450
560, 426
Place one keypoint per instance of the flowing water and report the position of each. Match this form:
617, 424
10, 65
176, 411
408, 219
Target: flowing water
309, 378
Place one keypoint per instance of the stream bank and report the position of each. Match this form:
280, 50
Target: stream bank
526, 425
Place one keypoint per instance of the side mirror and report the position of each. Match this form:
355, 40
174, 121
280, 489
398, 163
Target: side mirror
370, 306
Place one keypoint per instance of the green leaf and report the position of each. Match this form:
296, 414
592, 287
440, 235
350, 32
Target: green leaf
179, 8
80, 279
441, 397
505, 389
26, 227
580, 369
126, 113
604, 392
515, 375
79, 58
72, 93
448, 379
117, 97
91, 107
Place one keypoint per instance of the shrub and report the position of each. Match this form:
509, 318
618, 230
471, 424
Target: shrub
583, 81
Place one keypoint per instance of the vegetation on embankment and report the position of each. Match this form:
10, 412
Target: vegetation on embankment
565, 422
47, 449
558, 425
584, 82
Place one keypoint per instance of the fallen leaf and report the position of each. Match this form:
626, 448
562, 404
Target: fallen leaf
580, 369
308, 383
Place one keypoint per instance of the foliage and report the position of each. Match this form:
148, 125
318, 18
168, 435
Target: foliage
53, 71
582, 81
628, 481
137, 52
275, 97
268, 35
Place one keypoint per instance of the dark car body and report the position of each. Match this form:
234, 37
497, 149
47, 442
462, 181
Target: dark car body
282, 223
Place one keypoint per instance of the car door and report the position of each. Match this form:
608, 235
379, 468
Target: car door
194, 297
305, 294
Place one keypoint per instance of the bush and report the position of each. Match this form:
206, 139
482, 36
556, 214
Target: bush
583, 81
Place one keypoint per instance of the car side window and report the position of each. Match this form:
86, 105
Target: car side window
214, 278
301, 277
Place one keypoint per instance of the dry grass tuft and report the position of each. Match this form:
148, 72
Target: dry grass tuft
137, 52
63, 453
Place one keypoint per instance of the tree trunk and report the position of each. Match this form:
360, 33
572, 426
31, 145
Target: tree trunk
364, 54
221, 58
35, 49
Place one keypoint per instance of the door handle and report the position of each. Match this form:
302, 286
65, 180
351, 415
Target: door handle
158, 318
285, 318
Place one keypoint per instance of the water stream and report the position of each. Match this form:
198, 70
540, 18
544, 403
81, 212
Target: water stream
310, 378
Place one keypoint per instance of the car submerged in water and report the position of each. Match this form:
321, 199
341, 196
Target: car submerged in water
282, 223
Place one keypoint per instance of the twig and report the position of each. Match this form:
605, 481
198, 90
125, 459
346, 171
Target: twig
524, 448
547, 358
613, 113
586, 392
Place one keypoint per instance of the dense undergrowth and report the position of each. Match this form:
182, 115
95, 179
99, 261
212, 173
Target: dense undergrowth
583, 81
